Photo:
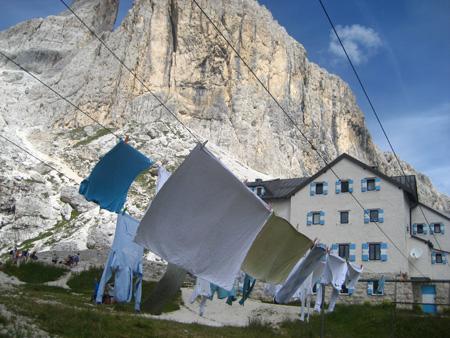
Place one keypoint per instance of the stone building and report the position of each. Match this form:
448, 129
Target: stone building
370, 219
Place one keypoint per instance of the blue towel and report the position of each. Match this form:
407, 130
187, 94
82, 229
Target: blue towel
249, 283
108, 183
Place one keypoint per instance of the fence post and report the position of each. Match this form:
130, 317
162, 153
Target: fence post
322, 313
395, 308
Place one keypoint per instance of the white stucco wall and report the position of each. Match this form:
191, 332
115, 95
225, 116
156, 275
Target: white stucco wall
436, 271
282, 208
390, 198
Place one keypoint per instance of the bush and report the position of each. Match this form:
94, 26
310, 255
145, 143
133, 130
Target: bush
34, 272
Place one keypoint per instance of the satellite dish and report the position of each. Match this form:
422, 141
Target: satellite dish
415, 253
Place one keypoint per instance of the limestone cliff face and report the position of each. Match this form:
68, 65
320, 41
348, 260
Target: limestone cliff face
179, 55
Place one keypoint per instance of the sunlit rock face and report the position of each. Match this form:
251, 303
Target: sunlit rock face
180, 57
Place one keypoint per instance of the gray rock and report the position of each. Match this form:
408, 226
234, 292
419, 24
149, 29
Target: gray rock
71, 196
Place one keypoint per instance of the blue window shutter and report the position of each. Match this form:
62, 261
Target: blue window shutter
309, 218
350, 185
352, 256
312, 189
370, 288
414, 229
444, 258
366, 216
365, 252
325, 188
334, 249
377, 184
433, 257
442, 228
338, 186
425, 231
364, 185
380, 215
431, 227
322, 217
384, 256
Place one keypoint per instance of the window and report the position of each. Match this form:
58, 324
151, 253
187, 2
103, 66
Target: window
437, 228
375, 291
316, 218
344, 251
373, 214
344, 290
319, 188
420, 228
259, 191
374, 251
371, 184
344, 217
344, 186
438, 257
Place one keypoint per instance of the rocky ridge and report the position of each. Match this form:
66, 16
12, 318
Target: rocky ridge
178, 54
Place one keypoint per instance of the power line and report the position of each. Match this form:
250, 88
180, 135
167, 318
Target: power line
37, 158
58, 94
295, 125
372, 108
129, 70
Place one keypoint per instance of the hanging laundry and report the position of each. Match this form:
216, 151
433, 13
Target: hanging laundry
337, 267
203, 290
353, 274
125, 261
247, 288
380, 289
109, 181
203, 220
268, 260
300, 273
335, 273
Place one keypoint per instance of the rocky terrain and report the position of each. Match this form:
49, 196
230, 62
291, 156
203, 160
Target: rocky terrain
180, 57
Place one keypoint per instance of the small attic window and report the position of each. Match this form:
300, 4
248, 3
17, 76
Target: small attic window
259, 191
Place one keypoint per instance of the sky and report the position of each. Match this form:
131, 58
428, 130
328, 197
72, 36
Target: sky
401, 50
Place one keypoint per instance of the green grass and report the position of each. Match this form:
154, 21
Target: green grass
68, 314
34, 272
99, 133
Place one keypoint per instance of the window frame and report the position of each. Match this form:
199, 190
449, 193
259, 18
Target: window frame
344, 290
319, 184
370, 215
346, 249
376, 249
370, 180
436, 255
348, 216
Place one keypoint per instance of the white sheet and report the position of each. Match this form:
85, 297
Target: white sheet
203, 220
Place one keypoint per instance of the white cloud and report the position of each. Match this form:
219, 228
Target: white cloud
360, 42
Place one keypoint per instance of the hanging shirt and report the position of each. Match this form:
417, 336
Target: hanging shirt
337, 268
125, 261
300, 273
353, 274
109, 181
203, 210
249, 283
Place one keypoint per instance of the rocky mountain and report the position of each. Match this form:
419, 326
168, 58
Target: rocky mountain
171, 46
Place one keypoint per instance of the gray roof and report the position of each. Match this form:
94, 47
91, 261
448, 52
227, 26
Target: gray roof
285, 188
279, 188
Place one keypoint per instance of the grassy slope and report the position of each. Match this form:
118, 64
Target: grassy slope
34, 272
69, 313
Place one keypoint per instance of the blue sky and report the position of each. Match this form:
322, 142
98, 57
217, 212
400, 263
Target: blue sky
401, 50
